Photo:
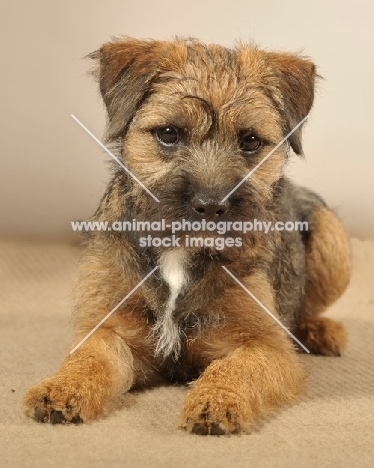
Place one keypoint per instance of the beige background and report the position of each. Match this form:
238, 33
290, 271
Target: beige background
52, 172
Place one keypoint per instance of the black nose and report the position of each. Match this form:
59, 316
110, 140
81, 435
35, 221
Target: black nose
209, 208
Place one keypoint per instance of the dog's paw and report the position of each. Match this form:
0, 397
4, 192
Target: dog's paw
54, 400
322, 335
215, 411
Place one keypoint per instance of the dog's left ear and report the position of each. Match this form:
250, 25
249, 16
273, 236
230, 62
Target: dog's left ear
287, 79
125, 69
294, 81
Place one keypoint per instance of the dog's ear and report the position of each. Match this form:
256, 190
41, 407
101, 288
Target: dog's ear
288, 81
293, 78
125, 70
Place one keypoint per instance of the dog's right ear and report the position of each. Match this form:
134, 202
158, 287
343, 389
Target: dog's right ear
125, 70
294, 78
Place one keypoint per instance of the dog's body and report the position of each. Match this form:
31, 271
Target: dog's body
191, 121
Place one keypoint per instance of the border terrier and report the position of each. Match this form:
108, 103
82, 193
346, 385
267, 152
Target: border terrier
190, 121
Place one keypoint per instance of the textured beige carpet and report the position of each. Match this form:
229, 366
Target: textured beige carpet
331, 426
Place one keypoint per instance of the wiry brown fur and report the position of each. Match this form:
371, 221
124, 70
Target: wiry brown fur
245, 365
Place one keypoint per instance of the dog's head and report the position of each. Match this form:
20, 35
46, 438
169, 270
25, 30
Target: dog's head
192, 120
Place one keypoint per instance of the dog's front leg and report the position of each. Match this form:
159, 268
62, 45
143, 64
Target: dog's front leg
237, 391
100, 369
252, 368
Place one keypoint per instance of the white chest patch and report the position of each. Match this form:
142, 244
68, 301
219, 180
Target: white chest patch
173, 271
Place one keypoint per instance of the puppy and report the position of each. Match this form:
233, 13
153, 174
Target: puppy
190, 121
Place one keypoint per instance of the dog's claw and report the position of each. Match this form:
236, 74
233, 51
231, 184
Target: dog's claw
199, 429
57, 417
215, 429
212, 429
76, 419
40, 415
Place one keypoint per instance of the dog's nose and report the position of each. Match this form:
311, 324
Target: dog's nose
209, 208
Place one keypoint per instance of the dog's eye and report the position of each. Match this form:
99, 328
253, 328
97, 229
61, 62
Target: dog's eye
249, 143
167, 136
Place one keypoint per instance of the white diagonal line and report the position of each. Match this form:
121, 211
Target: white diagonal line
266, 310
265, 158
114, 309
115, 158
